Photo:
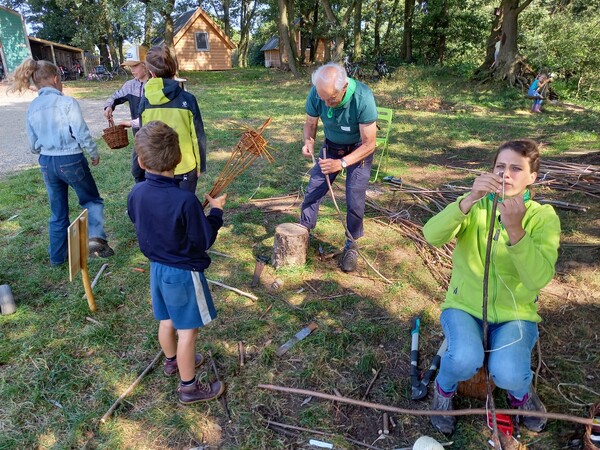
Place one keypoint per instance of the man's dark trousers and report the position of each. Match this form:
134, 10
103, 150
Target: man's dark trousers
357, 180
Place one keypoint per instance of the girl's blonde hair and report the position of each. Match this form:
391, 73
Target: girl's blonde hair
40, 73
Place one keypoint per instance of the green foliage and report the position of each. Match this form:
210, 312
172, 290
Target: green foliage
566, 43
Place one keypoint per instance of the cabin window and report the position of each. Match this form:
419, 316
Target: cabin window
202, 41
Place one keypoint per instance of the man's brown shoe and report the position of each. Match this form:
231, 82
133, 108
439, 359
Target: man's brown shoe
170, 367
200, 392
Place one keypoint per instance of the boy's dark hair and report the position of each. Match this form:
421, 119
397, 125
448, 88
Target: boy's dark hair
161, 63
157, 146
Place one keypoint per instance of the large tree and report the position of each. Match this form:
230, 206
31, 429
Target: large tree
510, 64
338, 26
287, 43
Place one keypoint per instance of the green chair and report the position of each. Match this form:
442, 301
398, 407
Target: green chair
384, 126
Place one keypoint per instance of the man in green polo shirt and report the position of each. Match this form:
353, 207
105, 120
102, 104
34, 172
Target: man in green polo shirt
349, 114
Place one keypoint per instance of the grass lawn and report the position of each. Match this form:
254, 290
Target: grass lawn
59, 372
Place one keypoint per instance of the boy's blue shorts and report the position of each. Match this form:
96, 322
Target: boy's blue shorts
180, 295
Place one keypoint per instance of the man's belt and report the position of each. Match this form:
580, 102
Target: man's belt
339, 150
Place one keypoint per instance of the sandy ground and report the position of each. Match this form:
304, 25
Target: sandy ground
14, 153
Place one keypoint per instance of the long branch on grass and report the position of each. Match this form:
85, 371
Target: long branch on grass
348, 235
427, 412
236, 290
131, 388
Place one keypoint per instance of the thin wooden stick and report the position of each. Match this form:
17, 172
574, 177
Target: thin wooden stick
241, 352
131, 388
322, 433
348, 235
426, 412
237, 291
371, 384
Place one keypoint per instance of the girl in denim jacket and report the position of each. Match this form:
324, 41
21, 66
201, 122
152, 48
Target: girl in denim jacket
58, 133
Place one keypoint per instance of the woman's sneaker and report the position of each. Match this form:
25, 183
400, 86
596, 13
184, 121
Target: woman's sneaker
531, 403
100, 248
200, 392
170, 367
444, 424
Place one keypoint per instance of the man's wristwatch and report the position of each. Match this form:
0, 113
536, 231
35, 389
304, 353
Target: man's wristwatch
344, 163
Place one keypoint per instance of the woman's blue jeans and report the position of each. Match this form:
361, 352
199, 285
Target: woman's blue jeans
509, 365
60, 172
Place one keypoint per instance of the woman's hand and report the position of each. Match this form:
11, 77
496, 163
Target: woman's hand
482, 186
512, 210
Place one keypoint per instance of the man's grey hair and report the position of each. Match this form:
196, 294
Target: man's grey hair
340, 75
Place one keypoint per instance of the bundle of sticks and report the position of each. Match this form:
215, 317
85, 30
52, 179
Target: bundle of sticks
250, 146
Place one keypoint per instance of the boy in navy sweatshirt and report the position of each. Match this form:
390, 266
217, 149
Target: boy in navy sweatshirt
174, 234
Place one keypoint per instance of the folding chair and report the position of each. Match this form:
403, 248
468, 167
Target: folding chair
384, 126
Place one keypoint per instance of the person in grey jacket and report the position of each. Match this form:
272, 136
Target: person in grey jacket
131, 92
58, 133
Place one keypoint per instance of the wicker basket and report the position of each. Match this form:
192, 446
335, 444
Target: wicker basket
588, 444
115, 136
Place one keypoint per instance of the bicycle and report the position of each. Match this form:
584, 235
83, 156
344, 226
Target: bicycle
380, 70
119, 73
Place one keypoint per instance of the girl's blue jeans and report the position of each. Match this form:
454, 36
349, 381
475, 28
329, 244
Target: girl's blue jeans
60, 172
509, 365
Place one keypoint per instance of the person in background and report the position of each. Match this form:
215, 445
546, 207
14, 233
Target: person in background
174, 234
131, 92
57, 132
523, 255
536, 91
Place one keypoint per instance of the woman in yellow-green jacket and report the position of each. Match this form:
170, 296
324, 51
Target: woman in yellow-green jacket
524, 252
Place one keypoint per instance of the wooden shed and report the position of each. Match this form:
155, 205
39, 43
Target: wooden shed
199, 42
60, 54
271, 50
14, 45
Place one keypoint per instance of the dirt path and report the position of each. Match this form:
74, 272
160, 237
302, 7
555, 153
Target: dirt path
14, 153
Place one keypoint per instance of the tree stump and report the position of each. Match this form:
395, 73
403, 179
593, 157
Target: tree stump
476, 387
291, 244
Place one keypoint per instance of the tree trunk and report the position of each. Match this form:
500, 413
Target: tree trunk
377, 28
226, 18
147, 25
285, 45
442, 24
168, 21
390, 25
314, 38
357, 30
509, 65
340, 26
406, 50
247, 15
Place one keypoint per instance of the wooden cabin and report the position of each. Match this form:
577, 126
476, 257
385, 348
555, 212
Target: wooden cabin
271, 50
199, 42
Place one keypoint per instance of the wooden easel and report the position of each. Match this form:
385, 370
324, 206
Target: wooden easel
78, 255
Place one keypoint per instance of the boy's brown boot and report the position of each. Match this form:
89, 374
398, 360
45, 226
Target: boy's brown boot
170, 367
200, 392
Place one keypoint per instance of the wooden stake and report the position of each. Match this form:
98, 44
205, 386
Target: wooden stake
130, 388
84, 251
